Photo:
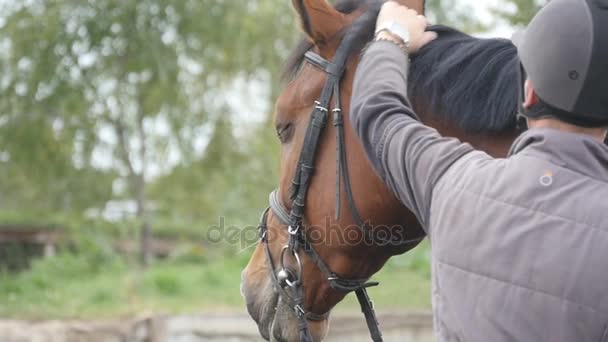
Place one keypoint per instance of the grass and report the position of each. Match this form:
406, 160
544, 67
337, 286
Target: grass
119, 291
73, 286
405, 283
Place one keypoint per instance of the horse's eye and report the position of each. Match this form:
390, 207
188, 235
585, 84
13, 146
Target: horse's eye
284, 132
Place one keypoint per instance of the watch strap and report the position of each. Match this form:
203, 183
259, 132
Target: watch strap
394, 39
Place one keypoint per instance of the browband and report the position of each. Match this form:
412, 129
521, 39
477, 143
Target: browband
323, 64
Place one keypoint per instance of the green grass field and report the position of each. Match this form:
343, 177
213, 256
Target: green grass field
70, 286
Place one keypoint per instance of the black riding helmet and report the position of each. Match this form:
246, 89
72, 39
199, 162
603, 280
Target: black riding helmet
564, 52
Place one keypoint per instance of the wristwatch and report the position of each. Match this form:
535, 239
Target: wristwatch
396, 30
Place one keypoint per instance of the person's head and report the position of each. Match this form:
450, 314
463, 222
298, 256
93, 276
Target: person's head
564, 60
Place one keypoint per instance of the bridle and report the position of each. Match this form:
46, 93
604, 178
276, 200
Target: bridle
286, 281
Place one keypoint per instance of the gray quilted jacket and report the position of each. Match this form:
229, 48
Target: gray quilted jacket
519, 245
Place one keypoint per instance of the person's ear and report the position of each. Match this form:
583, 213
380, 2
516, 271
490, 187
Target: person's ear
530, 97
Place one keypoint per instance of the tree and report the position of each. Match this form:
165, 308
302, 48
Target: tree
131, 82
454, 13
518, 12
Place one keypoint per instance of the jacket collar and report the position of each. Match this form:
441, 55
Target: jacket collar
576, 152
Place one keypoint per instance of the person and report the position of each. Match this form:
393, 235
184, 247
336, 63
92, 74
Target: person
519, 245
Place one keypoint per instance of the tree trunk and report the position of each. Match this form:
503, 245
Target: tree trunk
145, 233
146, 244
137, 183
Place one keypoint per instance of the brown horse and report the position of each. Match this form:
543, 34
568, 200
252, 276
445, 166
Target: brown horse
463, 86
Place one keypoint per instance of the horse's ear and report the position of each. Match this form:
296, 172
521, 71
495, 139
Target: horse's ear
319, 20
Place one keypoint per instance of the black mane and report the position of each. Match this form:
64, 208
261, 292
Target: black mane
458, 78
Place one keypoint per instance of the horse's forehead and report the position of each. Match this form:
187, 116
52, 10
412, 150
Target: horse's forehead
301, 92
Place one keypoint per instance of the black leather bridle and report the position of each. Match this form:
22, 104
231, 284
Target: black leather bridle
286, 281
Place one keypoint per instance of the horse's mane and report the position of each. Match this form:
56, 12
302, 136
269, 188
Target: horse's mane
459, 78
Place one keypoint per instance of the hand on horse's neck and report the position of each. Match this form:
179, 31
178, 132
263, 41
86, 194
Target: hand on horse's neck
598, 134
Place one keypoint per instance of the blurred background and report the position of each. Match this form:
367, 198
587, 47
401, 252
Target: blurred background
137, 150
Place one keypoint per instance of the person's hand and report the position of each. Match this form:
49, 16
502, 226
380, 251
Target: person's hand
408, 18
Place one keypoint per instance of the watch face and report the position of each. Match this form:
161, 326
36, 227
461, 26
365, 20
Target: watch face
396, 29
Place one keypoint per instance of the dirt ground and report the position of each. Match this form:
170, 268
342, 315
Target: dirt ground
403, 327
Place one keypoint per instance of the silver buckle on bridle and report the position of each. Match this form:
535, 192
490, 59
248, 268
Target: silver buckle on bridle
319, 107
293, 230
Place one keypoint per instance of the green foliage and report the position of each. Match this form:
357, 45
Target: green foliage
167, 283
417, 261
130, 84
58, 287
518, 12
190, 254
69, 286
454, 13
95, 250
18, 218
213, 189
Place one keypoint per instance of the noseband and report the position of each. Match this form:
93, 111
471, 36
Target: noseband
288, 281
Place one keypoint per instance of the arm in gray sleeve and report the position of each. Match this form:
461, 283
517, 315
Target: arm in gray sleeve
409, 156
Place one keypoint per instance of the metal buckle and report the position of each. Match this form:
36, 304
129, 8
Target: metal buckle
299, 311
263, 233
338, 121
319, 107
290, 283
263, 226
293, 230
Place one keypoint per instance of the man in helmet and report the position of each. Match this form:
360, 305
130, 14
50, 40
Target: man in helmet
519, 245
